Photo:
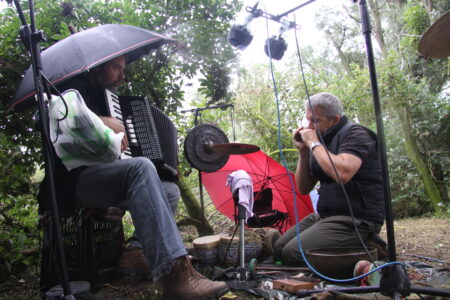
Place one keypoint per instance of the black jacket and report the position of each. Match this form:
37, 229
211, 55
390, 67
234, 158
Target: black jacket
364, 190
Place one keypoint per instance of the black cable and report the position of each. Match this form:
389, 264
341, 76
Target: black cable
229, 244
64, 102
232, 123
59, 94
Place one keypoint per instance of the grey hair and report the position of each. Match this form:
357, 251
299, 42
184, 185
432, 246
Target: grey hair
331, 104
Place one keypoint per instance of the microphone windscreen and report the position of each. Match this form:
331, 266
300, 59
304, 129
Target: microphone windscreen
239, 37
277, 46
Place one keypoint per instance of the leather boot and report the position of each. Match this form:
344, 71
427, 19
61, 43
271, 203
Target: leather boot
184, 282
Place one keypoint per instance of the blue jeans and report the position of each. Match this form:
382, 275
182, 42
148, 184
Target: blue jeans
173, 195
133, 184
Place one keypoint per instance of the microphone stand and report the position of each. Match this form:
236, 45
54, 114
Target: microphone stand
200, 181
31, 38
260, 13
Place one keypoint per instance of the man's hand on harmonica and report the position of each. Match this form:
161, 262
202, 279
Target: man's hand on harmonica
297, 139
117, 127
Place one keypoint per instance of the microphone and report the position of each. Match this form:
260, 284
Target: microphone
239, 35
277, 45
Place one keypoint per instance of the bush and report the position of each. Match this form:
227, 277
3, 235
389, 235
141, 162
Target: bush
19, 235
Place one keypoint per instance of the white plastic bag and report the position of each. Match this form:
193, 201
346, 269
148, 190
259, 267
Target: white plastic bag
81, 139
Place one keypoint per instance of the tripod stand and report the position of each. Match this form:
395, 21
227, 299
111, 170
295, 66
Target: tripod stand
31, 38
242, 271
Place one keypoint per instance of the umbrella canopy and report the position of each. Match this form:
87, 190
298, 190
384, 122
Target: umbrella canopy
85, 50
266, 173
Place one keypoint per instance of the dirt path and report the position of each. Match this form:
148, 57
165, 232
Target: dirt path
427, 237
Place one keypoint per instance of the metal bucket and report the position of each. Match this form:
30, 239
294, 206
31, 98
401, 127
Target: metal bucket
338, 262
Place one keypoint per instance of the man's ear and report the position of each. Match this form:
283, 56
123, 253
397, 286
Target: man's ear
336, 119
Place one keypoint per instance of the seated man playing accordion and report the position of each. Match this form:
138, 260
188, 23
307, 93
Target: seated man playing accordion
134, 185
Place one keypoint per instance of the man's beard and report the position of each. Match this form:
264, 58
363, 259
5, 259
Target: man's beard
113, 88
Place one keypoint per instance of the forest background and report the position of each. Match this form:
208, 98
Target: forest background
414, 95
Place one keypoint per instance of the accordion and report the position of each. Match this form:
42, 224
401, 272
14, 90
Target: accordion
149, 131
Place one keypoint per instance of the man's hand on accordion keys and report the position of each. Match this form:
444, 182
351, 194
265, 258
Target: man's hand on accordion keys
117, 127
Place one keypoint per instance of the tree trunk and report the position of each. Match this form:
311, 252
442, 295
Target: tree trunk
377, 29
430, 184
341, 54
411, 147
196, 216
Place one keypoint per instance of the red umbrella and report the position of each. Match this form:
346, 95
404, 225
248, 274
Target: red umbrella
265, 173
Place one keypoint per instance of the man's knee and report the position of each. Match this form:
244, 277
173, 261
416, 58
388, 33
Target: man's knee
291, 256
278, 249
173, 194
141, 164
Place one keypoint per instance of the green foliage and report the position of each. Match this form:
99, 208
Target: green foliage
16, 167
19, 235
415, 18
215, 84
407, 192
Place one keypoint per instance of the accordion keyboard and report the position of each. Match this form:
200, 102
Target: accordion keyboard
115, 111
149, 131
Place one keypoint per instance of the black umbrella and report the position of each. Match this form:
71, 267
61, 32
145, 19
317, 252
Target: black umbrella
85, 50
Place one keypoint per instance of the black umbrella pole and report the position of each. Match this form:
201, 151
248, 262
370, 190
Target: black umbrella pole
31, 41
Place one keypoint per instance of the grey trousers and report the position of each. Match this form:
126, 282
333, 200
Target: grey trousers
317, 232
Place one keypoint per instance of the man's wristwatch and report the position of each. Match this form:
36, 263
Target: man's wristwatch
314, 145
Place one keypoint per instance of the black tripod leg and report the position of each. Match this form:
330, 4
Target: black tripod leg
430, 291
394, 280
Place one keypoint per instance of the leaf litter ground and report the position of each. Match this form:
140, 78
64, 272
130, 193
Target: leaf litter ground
425, 240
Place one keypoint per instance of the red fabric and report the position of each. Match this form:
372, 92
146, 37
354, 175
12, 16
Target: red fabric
265, 173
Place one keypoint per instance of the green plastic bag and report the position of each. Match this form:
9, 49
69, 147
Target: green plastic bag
81, 138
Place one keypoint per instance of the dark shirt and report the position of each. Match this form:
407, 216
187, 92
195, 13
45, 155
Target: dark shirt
93, 96
358, 142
